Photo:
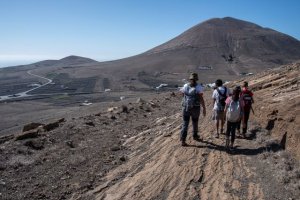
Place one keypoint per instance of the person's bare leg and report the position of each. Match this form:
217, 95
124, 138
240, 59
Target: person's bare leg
222, 124
217, 125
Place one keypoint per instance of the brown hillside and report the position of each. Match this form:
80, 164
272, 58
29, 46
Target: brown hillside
131, 150
277, 95
229, 46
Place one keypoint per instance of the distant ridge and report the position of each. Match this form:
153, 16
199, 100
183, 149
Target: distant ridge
219, 47
76, 60
69, 60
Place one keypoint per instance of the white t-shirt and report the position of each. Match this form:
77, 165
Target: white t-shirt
216, 95
199, 88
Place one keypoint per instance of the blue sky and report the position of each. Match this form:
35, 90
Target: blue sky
33, 30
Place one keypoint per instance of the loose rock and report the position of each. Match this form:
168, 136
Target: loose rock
90, 123
35, 144
28, 134
31, 126
115, 148
122, 158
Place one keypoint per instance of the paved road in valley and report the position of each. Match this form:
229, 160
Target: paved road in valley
25, 94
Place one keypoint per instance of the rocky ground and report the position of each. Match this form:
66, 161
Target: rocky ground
75, 154
131, 151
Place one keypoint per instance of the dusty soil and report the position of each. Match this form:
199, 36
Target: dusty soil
76, 155
137, 155
16, 113
159, 168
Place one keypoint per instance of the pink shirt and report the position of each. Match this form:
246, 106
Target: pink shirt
228, 100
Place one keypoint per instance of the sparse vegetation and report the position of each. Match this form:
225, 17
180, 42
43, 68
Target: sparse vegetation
51, 75
63, 96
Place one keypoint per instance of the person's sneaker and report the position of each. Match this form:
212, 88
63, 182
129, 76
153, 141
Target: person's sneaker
217, 135
183, 143
227, 143
231, 147
222, 132
238, 132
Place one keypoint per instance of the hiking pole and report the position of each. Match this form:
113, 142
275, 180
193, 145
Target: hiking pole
252, 110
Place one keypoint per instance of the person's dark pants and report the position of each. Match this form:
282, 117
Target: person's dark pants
193, 113
231, 127
238, 127
244, 119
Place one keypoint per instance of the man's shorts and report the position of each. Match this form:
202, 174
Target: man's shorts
218, 115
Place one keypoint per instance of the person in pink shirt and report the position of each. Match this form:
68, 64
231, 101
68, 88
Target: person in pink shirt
233, 113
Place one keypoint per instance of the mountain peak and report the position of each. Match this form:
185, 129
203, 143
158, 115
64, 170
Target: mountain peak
232, 35
229, 22
230, 19
73, 60
74, 57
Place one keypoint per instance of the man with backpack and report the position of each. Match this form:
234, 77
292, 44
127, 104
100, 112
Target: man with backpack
247, 101
233, 112
192, 99
219, 96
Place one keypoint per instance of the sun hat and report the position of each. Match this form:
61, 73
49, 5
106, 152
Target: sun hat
193, 76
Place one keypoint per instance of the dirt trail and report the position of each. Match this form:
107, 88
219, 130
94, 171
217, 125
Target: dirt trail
168, 171
160, 168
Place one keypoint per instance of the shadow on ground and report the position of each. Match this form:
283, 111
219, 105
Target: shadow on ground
237, 150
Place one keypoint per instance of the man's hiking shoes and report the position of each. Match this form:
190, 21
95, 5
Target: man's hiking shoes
183, 143
227, 143
217, 135
197, 138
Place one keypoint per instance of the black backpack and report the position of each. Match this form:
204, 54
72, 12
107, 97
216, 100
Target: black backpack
222, 98
247, 99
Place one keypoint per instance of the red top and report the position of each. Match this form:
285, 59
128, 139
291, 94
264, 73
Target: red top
245, 90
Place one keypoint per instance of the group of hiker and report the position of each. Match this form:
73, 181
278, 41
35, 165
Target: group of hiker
231, 107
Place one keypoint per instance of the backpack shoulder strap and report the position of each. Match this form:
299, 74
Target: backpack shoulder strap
246, 94
186, 89
225, 92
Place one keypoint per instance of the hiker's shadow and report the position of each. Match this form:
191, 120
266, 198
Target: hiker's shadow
236, 151
250, 136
